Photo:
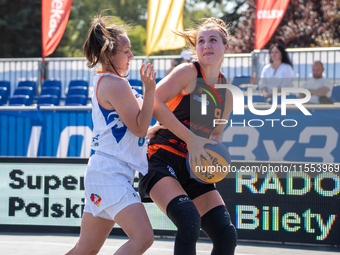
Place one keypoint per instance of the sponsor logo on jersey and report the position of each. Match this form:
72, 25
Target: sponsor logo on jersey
211, 95
119, 129
96, 199
172, 171
95, 140
139, 96
199, 99
141, 141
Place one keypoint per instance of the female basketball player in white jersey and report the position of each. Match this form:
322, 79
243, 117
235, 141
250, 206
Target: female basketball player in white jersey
191, 205
121, 120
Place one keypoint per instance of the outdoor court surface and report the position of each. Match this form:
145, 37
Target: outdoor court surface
57, 244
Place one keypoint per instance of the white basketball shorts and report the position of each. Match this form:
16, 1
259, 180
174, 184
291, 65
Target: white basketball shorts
108, 186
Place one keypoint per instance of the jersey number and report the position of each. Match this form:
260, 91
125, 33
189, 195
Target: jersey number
217, 113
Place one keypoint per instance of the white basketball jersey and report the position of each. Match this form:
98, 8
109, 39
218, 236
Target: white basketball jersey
112, 137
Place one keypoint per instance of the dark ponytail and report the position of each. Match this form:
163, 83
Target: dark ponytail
101, 41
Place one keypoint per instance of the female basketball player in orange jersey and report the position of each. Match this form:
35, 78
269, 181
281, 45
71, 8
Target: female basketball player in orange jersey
191, 205
120, 123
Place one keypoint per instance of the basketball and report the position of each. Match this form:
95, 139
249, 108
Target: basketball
215, 172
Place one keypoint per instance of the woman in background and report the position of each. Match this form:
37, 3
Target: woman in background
278, 73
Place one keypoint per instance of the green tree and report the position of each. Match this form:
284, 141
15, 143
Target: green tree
82, 13
137, 37
20, 25
313, 23
229, 11
20, 29
131, 12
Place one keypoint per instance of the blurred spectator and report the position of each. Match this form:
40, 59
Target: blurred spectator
186, 56
319, 87
174, 62
278, 73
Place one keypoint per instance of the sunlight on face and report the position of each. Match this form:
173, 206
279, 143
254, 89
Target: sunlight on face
209, 46
121, 60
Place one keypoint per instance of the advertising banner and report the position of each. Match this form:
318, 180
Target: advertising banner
47, 195
61, 134
54, 17
290, 137
275, 137
284, 202
269, 14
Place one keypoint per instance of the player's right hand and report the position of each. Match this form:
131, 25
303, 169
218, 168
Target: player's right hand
148, 76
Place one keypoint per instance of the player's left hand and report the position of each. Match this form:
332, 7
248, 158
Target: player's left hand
154, 129
196, 150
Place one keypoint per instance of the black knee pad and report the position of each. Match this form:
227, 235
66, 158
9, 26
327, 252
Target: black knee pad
183, 213
229, 239
217, 225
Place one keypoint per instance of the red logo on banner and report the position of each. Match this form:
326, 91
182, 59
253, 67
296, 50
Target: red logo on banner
54, 17
269, 14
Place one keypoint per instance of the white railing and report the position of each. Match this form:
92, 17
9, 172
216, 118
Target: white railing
251, 64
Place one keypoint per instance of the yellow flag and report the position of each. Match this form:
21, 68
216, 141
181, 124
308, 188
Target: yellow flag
164, 16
